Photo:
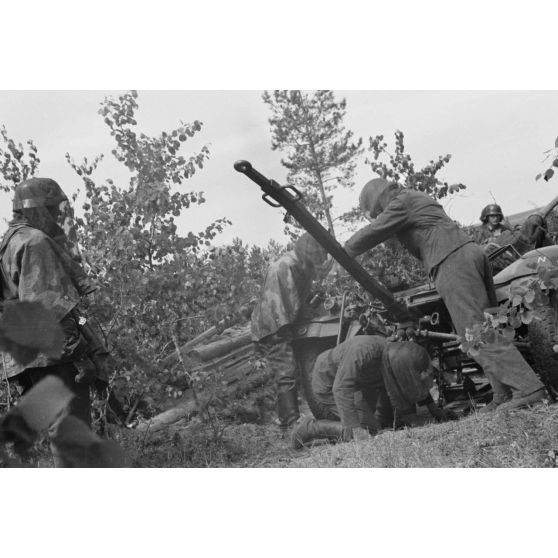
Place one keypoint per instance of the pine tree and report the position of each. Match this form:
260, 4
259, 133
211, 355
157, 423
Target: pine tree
319, 152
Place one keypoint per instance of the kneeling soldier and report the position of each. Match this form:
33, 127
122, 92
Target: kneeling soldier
357, 378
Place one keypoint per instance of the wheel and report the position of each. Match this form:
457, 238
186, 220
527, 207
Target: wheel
306, 352
542, 335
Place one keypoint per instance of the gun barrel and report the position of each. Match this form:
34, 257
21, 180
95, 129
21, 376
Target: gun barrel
438, 335
289, 198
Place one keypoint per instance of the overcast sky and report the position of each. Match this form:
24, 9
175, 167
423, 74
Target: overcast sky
496, 140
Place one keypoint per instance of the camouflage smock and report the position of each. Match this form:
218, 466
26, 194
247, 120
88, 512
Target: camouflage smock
286, 287
36, 268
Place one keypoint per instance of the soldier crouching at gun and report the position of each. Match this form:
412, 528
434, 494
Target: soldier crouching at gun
360, 380
37, 263
287, 285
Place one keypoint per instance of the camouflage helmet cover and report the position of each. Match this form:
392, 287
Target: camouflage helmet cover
369, 199
38, 192
310, 250
492, 209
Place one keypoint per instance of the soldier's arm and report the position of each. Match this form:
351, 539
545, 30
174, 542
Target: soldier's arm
42, 278
388, 224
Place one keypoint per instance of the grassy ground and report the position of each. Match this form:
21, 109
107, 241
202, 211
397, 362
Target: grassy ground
527, 438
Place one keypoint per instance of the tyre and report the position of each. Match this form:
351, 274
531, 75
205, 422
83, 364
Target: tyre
542, 337
306, 352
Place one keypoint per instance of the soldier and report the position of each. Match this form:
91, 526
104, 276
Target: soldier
285, 290
355, 378
493, 224
461, 273
36, 264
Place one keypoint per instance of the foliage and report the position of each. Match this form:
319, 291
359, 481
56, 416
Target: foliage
156, 285
389, 263
17, 163
399, 167
528, 296
552, 154
320, 153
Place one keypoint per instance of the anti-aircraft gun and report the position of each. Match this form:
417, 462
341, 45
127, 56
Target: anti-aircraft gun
417, 314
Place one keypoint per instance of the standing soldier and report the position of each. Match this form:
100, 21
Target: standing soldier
287, 285
37, 264
493, 224
460, 271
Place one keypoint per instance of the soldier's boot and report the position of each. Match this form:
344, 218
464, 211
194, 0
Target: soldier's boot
311, 429
497, 400
519, 401
287, 408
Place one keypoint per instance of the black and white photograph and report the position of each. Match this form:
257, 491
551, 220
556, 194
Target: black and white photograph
279, 278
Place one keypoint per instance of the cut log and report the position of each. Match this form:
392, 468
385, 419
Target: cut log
241, 338
187, 347
228, 361
186, 408
240, 377
205, 336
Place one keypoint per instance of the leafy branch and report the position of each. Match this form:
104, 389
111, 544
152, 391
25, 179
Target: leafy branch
528, 296
551, 153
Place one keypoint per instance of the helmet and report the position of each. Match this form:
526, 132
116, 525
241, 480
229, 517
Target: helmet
309, 250
38, 192
369, 199
492, 209
408, 377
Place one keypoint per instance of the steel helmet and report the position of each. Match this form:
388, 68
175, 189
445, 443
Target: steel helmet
310, 250
492, 209
404, 377
369, 199
38, 192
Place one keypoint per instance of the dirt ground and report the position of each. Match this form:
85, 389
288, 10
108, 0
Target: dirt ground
526, 438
